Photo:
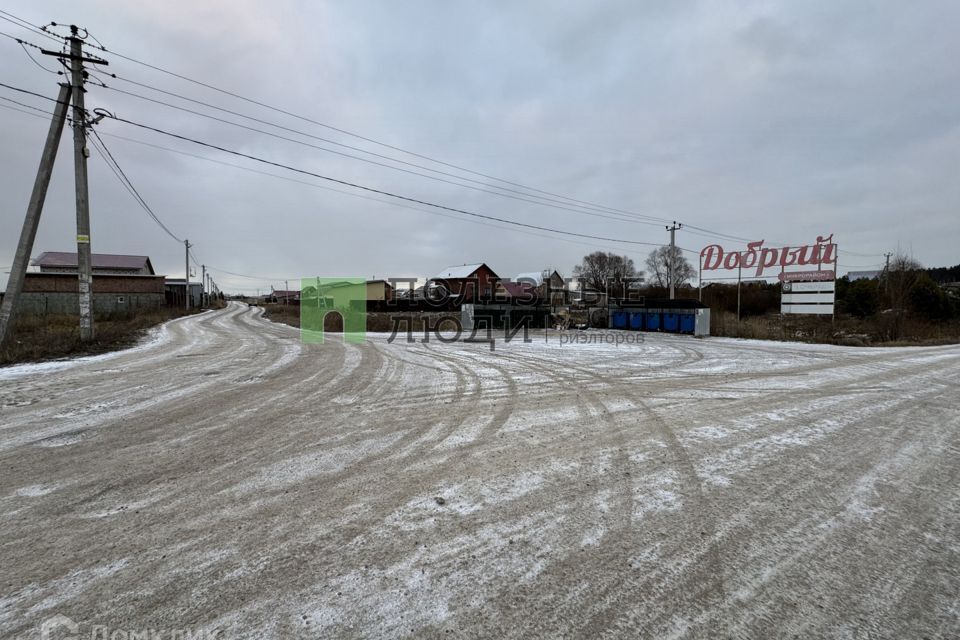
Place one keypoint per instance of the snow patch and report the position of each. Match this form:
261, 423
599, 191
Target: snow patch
37, 490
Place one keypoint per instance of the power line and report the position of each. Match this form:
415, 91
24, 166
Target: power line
630, 217
242, 275
24, 111
20, 41
372, 189
633, 217
356, 195
102, 148
355, 135
34, 61
352, 134
733, 237
23, 24
24, 104
556, 204
26, 43
32, 93
309, 184
280, 177
596, 207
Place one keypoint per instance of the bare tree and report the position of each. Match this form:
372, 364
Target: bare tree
658, 264
607, 272
897, 281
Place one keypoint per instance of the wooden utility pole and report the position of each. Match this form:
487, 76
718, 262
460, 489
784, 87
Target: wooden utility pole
186, 275
700, 280
80, 153
203, 286
8, 310
672, 229
739, 278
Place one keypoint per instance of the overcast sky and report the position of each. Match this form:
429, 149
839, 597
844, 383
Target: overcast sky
762, 121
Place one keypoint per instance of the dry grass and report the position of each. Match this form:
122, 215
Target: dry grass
287, 314
37, 338
843, 330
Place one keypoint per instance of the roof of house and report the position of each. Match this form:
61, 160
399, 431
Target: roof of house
457, 272
862, 275
176, 282
535, 276
100, 260
517, 289
663, 303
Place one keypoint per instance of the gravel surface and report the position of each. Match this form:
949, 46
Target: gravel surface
222, 476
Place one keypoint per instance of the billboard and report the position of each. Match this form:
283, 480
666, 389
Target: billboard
807, 272
813, 297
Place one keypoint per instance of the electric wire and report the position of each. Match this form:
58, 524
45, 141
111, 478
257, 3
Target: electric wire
558, 205
125, 180
235, 95
23, 24
625, 217
13, 19
372, 189
356, 195
33, 93
24, 111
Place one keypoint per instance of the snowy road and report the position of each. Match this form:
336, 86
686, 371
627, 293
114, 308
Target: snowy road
223, 476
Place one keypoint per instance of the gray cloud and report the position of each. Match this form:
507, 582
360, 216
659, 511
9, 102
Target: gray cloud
760, 121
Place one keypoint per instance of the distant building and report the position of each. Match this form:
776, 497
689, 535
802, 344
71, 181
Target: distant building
281, 296
379, 290
546, 282
863, 275
583, 295
470, 282
103, 263
121, 284
523, 292
174, 293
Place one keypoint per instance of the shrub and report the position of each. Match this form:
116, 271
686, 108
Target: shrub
862, 298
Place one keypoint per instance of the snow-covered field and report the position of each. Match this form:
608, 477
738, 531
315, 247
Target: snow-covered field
223, 476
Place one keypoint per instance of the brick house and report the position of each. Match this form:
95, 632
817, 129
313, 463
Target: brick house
121, 284
469, 282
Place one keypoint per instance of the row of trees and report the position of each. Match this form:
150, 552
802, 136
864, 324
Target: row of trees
903, 289
601, 270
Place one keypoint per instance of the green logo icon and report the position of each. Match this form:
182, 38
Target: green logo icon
322, 297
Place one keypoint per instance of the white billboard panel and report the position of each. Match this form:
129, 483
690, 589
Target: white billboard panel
807, 298
819, 309
814, 296
805, 287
